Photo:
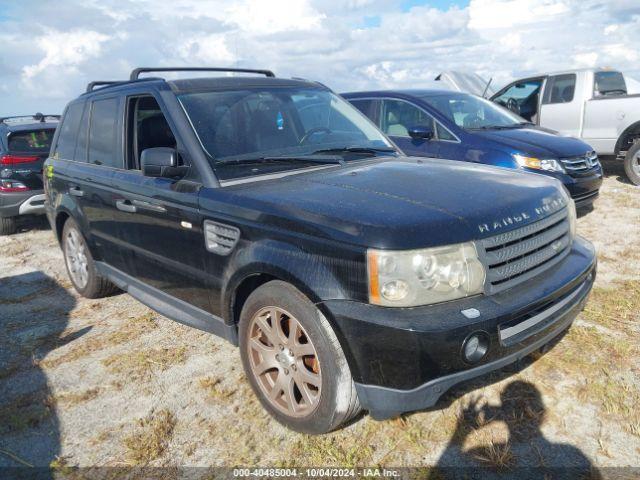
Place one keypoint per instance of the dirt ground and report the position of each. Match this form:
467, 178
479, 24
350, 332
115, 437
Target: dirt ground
110, 383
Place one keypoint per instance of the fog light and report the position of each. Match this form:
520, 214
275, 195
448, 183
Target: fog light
475, 347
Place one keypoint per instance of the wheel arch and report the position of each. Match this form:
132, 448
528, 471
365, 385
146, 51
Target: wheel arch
627, 138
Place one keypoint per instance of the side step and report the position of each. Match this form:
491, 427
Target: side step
169, 306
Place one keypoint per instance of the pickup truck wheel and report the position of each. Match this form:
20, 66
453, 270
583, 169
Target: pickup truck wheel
8, 225
632, 164
80, 265
294, 361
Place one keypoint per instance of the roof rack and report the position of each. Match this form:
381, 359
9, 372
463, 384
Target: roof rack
38, 117
136, 73
100, 83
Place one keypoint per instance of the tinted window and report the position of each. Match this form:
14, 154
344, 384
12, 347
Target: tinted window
103, 148
34, 141
560, 89
81, 144
365, 106
398, 116
66, 145
609, 83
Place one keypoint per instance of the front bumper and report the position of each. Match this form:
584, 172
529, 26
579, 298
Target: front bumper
21, 203
404, 359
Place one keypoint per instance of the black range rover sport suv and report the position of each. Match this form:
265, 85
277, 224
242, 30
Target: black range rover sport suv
274, 214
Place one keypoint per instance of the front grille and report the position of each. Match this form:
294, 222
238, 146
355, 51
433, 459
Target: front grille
514, 257
580, 164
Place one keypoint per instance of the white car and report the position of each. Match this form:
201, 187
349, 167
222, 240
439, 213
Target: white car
597, 105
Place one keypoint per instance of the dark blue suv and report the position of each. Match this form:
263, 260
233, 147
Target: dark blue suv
459, 126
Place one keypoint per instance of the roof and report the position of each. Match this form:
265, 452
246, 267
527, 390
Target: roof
235, 83
413, 92
575, 70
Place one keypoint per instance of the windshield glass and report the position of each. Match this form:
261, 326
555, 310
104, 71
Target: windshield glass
36, 141
239, 126
609, 83
469, 111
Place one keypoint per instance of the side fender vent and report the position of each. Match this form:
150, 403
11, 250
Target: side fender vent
220, 239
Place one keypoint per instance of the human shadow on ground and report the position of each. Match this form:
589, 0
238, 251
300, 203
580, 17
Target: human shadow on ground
34, 314
524, 454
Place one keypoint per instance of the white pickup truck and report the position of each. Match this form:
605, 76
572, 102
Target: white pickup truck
596, 105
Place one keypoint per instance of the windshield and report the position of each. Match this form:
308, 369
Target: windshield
609, 83
36, 141
240, 126
471, 112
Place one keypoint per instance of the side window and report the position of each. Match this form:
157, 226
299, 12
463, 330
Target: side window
444, 134
66, 144
366, 106
147, 127
103, 129
398, 116
83, 134
560, 89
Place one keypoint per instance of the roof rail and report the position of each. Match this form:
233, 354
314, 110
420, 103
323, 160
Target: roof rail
38, 117
100, 83
136, 73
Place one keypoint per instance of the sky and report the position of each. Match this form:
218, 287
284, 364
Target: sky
50, 50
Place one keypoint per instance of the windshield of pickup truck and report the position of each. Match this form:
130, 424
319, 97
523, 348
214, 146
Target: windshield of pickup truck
280, 128
471, 112
609, 83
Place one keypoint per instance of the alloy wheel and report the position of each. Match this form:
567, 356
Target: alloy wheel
284, 362
76, 257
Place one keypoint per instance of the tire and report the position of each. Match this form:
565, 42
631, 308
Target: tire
80, 265
8, 225
632, 163
323, 407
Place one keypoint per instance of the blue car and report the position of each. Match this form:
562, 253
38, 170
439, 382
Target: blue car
460, 126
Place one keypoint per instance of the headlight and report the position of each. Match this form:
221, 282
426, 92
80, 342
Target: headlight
408, 278
548, 164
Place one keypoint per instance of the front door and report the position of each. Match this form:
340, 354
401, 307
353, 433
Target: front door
397, 117
561, 108
522, 98
159, 219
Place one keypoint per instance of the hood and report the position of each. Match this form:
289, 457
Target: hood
399, 203
536, 141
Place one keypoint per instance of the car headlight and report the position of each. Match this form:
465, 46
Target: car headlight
408, 278
548, 164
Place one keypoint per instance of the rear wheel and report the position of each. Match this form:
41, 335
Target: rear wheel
294, 361
8, 225
80, 265
632, 163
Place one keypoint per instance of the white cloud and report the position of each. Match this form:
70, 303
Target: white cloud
72, 42
65, 49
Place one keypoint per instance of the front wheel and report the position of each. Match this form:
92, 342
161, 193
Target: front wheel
80, 265
294, 361
632, 163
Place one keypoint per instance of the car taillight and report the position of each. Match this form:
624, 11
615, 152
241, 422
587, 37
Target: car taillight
12, 186
15, 159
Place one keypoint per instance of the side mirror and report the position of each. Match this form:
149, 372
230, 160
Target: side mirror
160, 162
421, 132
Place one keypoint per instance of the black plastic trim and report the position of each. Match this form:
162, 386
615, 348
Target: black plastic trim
169, 306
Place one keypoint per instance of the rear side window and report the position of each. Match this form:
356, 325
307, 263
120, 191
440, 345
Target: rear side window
560, 89
34, 141
609, 83
366, 106
66, 146
103, 133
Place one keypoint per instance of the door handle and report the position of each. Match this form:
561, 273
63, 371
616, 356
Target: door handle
125, 206
149, 206
75, 191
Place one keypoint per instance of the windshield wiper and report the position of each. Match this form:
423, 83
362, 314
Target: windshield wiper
313, 158
355, 149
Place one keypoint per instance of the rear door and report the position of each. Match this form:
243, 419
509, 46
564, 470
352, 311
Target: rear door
84, 160
160, 224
